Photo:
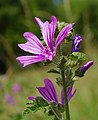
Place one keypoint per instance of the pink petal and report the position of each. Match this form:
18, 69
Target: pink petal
39, 22
63, 33
53, 26
29, 47
33, 40
26, 60
46, 32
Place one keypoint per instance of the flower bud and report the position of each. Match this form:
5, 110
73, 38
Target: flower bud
76, 42
81, 70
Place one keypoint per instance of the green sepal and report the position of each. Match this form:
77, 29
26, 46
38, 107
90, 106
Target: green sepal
41, 102
78, 55
79, 73
60, 25
74, 59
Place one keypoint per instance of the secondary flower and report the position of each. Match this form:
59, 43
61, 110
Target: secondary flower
16, 88
35, 47
76, 42
49, 93
9, 99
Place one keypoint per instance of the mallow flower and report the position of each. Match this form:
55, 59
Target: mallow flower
76, 42
36, 48
16, 88
9, 99
49, 93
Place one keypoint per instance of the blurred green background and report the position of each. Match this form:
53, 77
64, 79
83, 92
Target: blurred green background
17, 17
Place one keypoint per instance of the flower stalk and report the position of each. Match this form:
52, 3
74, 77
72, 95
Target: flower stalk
65, 94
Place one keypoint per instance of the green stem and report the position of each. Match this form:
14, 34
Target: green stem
58, 116
65, 95
55, 114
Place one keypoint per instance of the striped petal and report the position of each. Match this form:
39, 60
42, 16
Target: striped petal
26, 60
39, 22
29, 47
63, 33
53, 25
33, 40
48, 31
48, 92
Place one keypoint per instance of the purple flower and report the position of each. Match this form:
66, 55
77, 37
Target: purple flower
85, 67
76, 42
16, 88
49, 92
35, 47
9, 99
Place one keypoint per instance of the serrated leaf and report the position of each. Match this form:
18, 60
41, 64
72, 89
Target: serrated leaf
26, 111
37, 104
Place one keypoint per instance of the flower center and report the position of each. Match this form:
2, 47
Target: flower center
49, 54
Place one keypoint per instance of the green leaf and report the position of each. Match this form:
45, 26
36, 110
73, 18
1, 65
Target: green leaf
26, 111
35, 105
53, 71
